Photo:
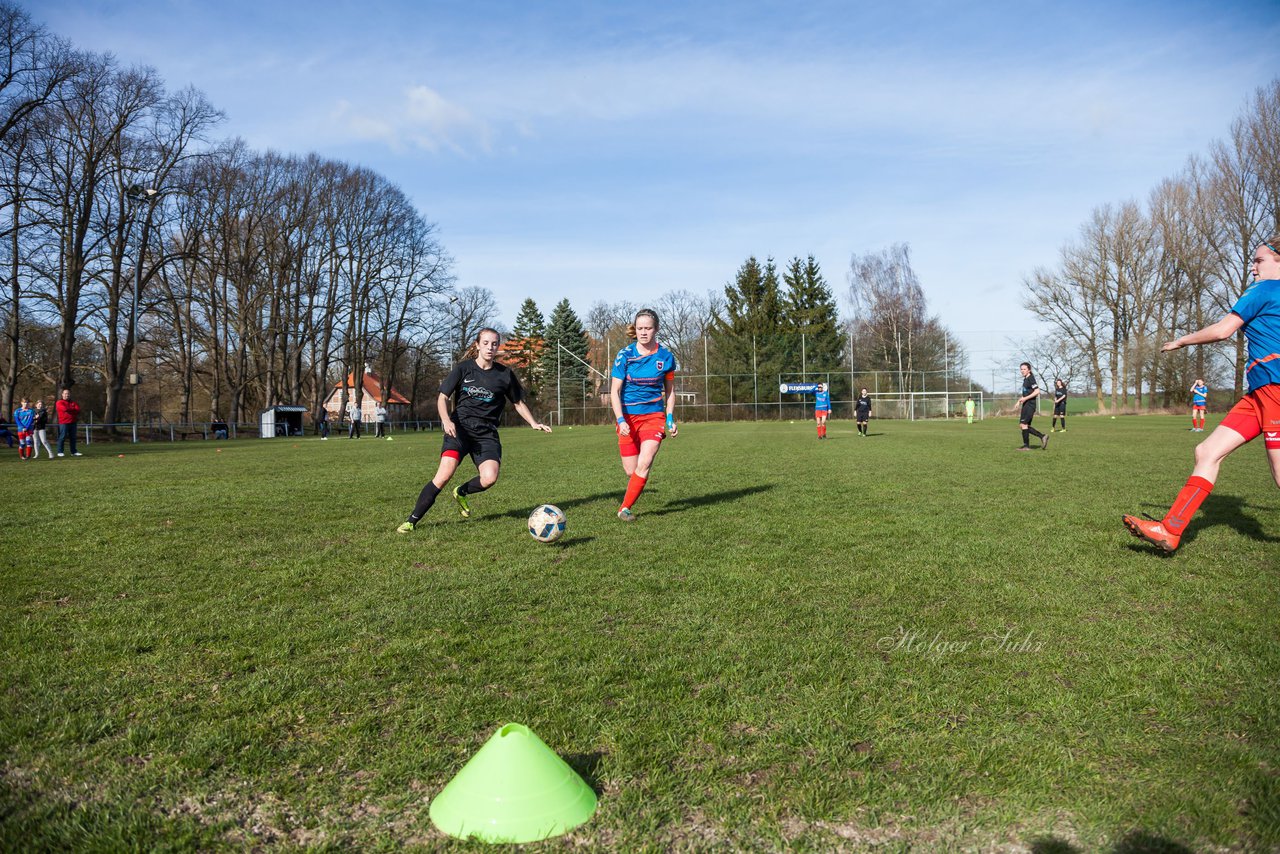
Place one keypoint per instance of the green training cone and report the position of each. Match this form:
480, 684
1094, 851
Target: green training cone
515, 789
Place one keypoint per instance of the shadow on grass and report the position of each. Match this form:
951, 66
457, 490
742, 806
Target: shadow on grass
587, 766
571, 542
1134, 842
563, 505
1230, 510
711, 498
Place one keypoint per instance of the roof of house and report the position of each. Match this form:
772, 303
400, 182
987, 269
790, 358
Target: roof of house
373, 388
519, 352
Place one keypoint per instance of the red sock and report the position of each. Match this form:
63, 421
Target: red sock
1197, 489
635, 486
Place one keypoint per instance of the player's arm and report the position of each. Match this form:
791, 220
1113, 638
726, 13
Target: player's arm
1214, 332
446, 423
669, 391
615, 400
523, 408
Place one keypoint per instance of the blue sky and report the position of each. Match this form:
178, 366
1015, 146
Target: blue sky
619, 151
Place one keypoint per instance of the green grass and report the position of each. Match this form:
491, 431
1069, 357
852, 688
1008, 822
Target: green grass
794, 646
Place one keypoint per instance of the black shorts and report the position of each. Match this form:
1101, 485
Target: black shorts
1028, 412
1059, 409
863, 415
480, 443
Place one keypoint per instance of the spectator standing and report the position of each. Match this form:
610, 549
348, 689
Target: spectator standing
380, 422
42, 429
68, 418
353, 413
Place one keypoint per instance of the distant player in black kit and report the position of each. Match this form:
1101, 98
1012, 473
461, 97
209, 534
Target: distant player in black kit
1030, 391
482, 388
862, 410
1059, 406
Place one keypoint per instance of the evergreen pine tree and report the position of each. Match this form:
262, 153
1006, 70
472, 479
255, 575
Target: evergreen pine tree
566, 330
526, 344
810, 308
746, 330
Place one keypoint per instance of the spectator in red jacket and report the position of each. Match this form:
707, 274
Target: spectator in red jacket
68, 415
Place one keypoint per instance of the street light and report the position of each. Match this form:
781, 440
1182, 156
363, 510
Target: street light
138, 194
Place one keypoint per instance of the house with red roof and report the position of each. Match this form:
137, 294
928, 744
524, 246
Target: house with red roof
397, 404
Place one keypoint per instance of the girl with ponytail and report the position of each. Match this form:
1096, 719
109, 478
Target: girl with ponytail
480, 387
642, 391
1257, 314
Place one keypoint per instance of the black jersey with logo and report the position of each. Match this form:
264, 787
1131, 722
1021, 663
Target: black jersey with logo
1028, 384
479, 396
864, 403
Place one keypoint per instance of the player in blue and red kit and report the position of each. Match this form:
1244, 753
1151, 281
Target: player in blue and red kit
1199, 399
24, 420
642, 392
822, 408
1258, 412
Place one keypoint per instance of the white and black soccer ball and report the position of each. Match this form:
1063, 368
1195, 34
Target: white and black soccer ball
546, 523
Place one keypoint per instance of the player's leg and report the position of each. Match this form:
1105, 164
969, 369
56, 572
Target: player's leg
640, 477
1273, 457
449, 458
629, 448
1028, 413
486, 476
1238, 428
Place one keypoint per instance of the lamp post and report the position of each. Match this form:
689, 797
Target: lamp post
138, 194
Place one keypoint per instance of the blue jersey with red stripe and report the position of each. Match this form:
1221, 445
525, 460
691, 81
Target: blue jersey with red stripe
24, 419
1198, 394
643, 378
824, 401
1259, 308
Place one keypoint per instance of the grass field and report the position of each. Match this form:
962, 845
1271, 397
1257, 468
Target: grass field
921, 640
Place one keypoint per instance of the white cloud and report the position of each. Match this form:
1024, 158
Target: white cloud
422, 118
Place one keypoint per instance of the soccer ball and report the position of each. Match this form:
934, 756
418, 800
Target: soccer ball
546, 524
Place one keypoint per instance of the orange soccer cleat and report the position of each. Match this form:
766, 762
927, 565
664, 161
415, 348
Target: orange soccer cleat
1153, 531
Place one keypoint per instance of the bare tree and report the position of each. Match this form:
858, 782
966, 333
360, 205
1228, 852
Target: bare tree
474, 309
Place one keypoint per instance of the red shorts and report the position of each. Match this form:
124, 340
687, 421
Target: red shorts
650, 427
821, 413
1197, 409
1258, 412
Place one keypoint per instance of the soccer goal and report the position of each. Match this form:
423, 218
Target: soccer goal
920, 405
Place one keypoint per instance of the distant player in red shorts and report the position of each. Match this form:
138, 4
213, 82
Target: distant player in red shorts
1258, 412
1199, 400
822, 408
643, 394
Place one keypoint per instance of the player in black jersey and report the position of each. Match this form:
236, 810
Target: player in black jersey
1030, 391
480, 388
862, 411
1059, 405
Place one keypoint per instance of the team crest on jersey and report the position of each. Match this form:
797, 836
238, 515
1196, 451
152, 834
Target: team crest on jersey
659, 364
